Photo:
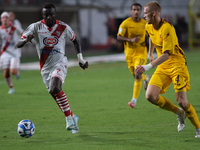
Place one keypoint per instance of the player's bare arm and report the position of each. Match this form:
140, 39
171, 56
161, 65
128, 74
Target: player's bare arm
82, 63
124, 39
151, 49
140, 69
22, 42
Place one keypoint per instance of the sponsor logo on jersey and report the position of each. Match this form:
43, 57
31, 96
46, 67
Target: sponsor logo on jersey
50, 41
50, 51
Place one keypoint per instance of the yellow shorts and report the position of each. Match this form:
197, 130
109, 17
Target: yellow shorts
178, 75
134, 61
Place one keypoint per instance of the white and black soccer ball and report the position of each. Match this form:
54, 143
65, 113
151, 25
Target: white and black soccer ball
26, 128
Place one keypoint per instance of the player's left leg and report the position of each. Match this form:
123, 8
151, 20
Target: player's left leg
57, 75
62, 101
5, 65
181, 98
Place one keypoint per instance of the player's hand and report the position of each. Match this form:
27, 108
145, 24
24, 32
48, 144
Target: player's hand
85, 65
151, 58
29, 38
135, 39
139, 70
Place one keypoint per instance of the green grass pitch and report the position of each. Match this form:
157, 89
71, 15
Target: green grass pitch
99, 96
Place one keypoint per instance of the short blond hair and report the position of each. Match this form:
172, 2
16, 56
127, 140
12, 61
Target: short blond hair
154, 6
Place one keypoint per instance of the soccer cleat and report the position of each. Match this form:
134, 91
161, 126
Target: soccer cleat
11, 91
181, 121
17, 75
146, 82
131, 105
76, 129
70, 124
197, 133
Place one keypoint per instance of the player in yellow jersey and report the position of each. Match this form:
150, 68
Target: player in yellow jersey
171, 67
132, 32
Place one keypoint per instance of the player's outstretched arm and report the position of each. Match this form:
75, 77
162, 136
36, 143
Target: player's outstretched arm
22, 42
125, 39
82, 63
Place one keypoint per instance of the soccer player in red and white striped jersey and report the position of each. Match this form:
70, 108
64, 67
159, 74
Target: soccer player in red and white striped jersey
49, 35
10, 55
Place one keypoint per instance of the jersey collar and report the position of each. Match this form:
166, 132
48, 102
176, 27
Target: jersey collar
43, 21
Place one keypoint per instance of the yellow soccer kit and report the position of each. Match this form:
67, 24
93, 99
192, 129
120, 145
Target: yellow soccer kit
174, 69
136, 53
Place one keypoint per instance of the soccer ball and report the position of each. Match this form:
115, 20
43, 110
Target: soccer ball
26, 128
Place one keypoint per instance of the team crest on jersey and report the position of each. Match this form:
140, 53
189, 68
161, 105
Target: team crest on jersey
58, 33
50, 41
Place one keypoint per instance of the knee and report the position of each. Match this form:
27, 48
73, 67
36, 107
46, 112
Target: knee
137, 76
151, 97
6, 74
13, 72
55, 90
55, 86
182, 102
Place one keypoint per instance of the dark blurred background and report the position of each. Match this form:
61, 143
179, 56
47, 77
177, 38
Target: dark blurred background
96, 22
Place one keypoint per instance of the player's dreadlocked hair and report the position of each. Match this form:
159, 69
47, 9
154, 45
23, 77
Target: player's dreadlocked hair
49, 5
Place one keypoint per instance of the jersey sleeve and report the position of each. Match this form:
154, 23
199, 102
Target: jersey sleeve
122, 29
70, 33
168, 40
29, 31
19, 30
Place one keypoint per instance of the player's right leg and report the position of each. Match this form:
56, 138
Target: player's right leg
146, 79
14, 67
132, 63
136, 91
76, 119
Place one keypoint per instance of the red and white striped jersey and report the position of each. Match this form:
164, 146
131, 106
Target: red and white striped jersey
50, 42
9, 38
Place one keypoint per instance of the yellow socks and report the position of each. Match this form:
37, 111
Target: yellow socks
192, 116
136, 88
144, 77
166, 104
190, 111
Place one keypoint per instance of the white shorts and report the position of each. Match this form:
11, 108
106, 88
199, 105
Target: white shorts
59, 70
9, 63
